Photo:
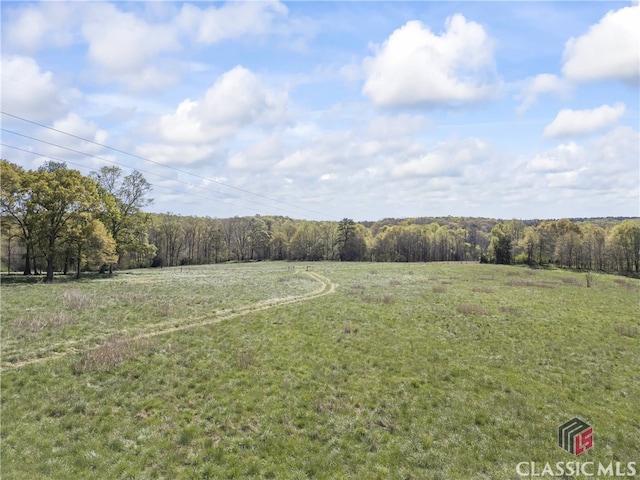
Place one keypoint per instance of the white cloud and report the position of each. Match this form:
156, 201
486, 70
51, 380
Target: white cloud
27, 91
77, 126
260, 156
124, 47
232, 20
609, 50
446, 159
417, 67
562, 158
34, 27
607, 164
176, 154
582, 122
237, 99
544, 83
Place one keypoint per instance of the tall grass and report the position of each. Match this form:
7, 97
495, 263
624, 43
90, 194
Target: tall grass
458, 383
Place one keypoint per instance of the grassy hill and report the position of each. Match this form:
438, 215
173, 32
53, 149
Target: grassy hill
363, 371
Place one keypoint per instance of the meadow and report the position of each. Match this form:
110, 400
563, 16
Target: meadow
328, 371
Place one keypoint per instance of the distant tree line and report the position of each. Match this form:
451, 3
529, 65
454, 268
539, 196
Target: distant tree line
611, 245
56, 219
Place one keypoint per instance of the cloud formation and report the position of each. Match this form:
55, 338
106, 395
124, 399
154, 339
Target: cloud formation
237, 99
27, 90
414, 66
232, 20
609, 50
582, 122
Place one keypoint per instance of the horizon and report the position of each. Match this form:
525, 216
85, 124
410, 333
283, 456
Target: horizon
374, 110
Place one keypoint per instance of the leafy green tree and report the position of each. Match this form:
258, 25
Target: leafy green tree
501, 244
16, 207
61, 197
346, 234
625, 245
123, 198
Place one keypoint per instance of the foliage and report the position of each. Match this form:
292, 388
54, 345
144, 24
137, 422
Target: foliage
65, 218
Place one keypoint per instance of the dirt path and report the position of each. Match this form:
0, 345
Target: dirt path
326, 288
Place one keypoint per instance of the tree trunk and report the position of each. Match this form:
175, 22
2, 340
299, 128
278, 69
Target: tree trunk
49, 278
27, 261
79, 265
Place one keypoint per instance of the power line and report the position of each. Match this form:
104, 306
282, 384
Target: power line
163, 165
141, 171
149, 173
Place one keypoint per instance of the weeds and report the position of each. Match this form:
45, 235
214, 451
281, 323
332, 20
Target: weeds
109, 355
36, 323
520, 282
483, 289
630, 331
471, 309
569, 280
77, 300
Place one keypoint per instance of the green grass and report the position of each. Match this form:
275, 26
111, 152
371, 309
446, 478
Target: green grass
421, 371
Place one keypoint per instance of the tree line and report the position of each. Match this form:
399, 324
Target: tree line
56, 219
60, 220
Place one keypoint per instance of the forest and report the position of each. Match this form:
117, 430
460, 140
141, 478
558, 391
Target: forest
56, 220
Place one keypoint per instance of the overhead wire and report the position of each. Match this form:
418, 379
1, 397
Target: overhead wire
185, 172
141, 171
128, 166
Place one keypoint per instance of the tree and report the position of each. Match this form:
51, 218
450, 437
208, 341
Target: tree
625, 243
61, 197
530, 243
501, 244
88, 239
16, 206
123, 198
346, 233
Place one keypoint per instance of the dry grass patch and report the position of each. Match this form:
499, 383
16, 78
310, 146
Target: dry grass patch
110, 354
569, 280
510, 311
386, 299
483, 289
35, 323
438, 290
395, 282
623, 282
630, 331
245, 360
77, 300
349, 329
471, 309
521, 282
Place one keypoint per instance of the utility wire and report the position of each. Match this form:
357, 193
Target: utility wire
121, 164
171, 189
141, 171
163, 165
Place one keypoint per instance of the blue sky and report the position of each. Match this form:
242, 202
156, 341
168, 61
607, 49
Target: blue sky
325, 110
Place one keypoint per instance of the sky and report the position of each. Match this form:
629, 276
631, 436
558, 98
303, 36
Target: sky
326, 110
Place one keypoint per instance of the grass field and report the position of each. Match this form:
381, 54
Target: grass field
345, 371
